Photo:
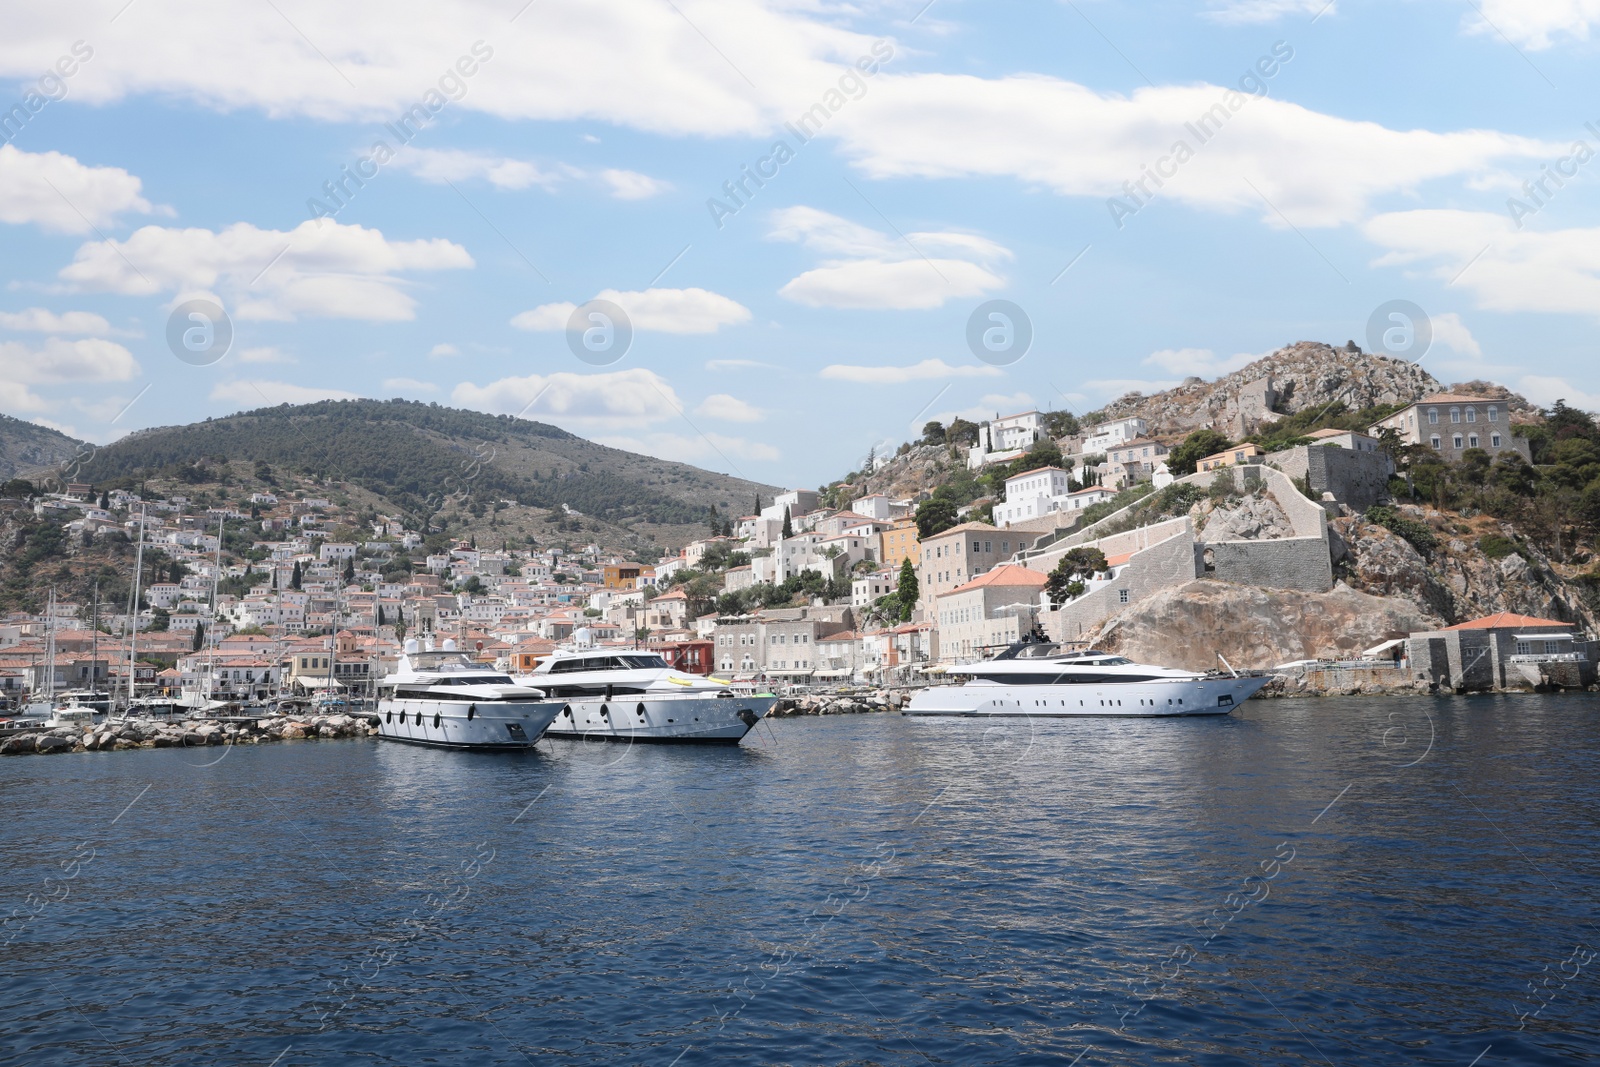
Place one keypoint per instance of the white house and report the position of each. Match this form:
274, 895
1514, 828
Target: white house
1110, 434
1032, 494
876, 506
865, 589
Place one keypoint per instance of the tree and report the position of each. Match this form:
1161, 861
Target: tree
907, 589
349, 570
294, 576
159, 619
933, 433
788, 524
199, 637
757, 511
934, 516
1197, 446
380, 615
1061, 423
962, 432
1075, 567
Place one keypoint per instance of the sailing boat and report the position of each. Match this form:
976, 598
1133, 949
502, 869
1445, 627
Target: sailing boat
135, 708
59, 714
94, 698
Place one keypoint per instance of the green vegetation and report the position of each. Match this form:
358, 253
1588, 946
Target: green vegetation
907, 589
1096, 512
1076, 566
935, 516
1197, 446
1496, 547
1420, 534
1295, 429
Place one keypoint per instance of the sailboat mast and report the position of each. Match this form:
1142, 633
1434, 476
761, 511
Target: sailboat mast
133, 607
211, 643
50, 650
94, 647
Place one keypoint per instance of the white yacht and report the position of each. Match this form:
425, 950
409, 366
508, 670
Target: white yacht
1040, 679
444, 699
618, 694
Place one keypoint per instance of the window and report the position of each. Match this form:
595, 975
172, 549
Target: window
1472, 440
988, 546
1457, 440
1455, 414
1433, 416
1494, 413
1122, 596
1472, 414
1494, 439
1434, 441
975, 547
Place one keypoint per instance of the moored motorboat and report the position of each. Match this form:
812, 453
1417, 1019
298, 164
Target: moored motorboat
442, 698
618, 694
1038, 678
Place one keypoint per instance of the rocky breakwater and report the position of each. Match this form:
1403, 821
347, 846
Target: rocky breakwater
840, 704
150, 733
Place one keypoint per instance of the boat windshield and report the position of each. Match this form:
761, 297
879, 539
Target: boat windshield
443, 661
630, 661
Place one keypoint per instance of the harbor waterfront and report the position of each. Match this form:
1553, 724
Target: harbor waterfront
1408, 880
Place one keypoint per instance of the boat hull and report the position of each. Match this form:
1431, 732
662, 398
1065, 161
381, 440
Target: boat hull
1149, 699
460, 724
674, 719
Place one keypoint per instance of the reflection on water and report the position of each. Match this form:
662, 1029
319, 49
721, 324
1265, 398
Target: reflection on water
1346, 881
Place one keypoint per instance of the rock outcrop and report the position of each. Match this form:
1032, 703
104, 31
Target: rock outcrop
1188, 625
1455, 580
837, 704
1256, 517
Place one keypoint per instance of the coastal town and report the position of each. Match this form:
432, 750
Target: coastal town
292, 596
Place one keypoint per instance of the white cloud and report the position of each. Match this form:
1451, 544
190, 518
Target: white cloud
318, 269
873, 270
1545, 391
706, 450
442, 165
260, 393
443, 350
59, 361
266, 354
39, 320
1505, 268
1198, 361
1254, 12
614, 399
735, 364
729, 409
1535, 24
927, 370
1450, 331
987, 407
1318, 169
661, 310
17, 398
631, 185
59, 193
408, 385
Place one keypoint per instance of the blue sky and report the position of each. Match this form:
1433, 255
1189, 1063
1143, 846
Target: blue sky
957, 153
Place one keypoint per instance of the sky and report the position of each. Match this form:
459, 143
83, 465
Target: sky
766, 237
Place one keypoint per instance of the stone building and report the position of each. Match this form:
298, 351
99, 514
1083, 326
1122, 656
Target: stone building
1451, 423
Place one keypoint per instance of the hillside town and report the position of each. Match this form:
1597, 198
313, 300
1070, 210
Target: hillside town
289, 595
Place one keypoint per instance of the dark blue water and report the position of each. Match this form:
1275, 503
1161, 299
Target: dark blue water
1304, 882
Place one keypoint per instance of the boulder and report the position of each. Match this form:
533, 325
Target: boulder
292, 731
53, 742
19, 744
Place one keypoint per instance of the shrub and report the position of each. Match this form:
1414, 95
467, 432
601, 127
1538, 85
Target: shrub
1496, 547
1420, 534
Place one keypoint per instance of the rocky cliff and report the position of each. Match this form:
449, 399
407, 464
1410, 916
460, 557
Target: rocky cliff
1187, 626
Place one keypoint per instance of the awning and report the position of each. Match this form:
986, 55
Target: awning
933, 668
1542, 637
792, 674
1386, 646
834, 674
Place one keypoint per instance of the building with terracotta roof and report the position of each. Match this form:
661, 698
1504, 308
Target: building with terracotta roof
987, 613
955, 556
1451, 423
1503, 651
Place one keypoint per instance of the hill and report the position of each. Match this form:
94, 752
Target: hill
442, 467
27, 447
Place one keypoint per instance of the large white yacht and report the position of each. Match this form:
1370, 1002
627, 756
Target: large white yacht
618, 694
444, 699
1040, 679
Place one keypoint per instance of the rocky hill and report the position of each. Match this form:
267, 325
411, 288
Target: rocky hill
27, 448
1303, 376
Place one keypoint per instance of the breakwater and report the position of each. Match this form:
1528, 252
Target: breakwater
154, 733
